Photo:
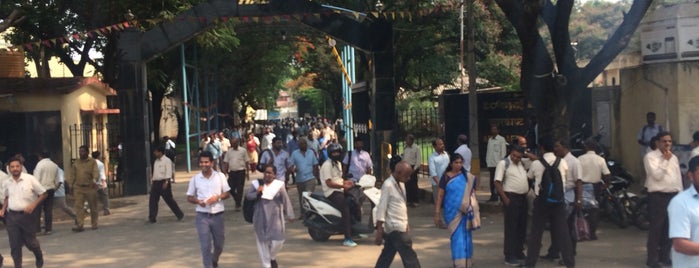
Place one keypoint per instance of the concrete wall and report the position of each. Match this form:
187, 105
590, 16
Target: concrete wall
669, 90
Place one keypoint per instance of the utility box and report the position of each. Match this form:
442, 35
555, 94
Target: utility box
671, 33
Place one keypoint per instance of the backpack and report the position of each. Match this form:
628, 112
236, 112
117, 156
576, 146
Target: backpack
260, 165
551, 189
249, 206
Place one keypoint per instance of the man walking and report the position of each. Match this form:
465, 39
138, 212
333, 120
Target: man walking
512, 185
496, 150
544, 210
161, 187
236, 164
84, 186
22, 195
392, 220
102, 190
305, 164
207, 190
266, 142
683, 212
411, 155
46, 171
279, 158
664, 181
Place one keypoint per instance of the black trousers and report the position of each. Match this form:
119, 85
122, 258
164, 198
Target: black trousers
411, 189
515, 225
156, 191
46, 206
493, 191
21, 231
397, 242
554, 249
658, 244
556, 214
339, 201
236, 180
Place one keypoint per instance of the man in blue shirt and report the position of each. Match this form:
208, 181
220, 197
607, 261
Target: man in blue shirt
683, 213
438, 162
305, 164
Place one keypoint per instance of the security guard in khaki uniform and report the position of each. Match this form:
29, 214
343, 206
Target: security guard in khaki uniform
85, 179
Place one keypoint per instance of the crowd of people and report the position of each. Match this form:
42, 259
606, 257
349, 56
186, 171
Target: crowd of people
550, 187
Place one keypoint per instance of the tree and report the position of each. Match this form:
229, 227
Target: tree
552, 79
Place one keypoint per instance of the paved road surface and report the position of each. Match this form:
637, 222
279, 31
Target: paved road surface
125, 240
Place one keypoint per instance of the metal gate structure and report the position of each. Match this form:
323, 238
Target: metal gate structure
101, 137
424, 124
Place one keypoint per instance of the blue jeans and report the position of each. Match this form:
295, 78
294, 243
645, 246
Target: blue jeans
210, 227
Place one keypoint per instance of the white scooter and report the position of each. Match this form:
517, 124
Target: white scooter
324, 220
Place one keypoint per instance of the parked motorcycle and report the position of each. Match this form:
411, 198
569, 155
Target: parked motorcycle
616, 201
639, 217
323, 220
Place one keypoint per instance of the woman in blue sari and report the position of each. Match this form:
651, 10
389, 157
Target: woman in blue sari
457, 194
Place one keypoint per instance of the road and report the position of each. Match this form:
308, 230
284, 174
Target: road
125, 240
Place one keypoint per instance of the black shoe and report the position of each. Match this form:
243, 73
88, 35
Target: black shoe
180, 218
513, 262
215, 264
493, 198
667, 262
549, 257
561, 263
654, 265
78, 229
274, 264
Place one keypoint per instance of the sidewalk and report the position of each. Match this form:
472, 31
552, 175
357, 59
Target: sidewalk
125, 240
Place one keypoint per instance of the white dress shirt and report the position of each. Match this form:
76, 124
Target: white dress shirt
536, 171
496, 150
411, 154
575, 171
513, 177
46, 171
202, 188
332, 171
594, 167
466, 154
22, 192
391, 209
662, 175
162, 169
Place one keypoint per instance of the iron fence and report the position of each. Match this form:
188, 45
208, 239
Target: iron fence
101, 137
424, 124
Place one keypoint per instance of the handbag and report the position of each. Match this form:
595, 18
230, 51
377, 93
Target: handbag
582, 228
249, 206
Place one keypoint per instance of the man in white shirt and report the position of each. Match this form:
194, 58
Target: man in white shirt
46, 171
573, 192
664, 181
236, 164
411, 154
545, 211
334, 188
512, 185
102, 190
392, 220
161, 187
22, 195
496, 150
225, 144
437, 164
647, 132
596, 175
266, 142
207, 190
683, 212
694, 144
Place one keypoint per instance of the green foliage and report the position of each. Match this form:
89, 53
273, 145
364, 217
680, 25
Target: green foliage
593, 22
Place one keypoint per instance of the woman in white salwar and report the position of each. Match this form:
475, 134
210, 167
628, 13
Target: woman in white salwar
271, 205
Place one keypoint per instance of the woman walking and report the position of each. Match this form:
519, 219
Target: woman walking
458, 194
272, 203
252, 146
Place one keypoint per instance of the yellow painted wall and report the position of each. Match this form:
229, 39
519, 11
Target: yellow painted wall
639, 95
